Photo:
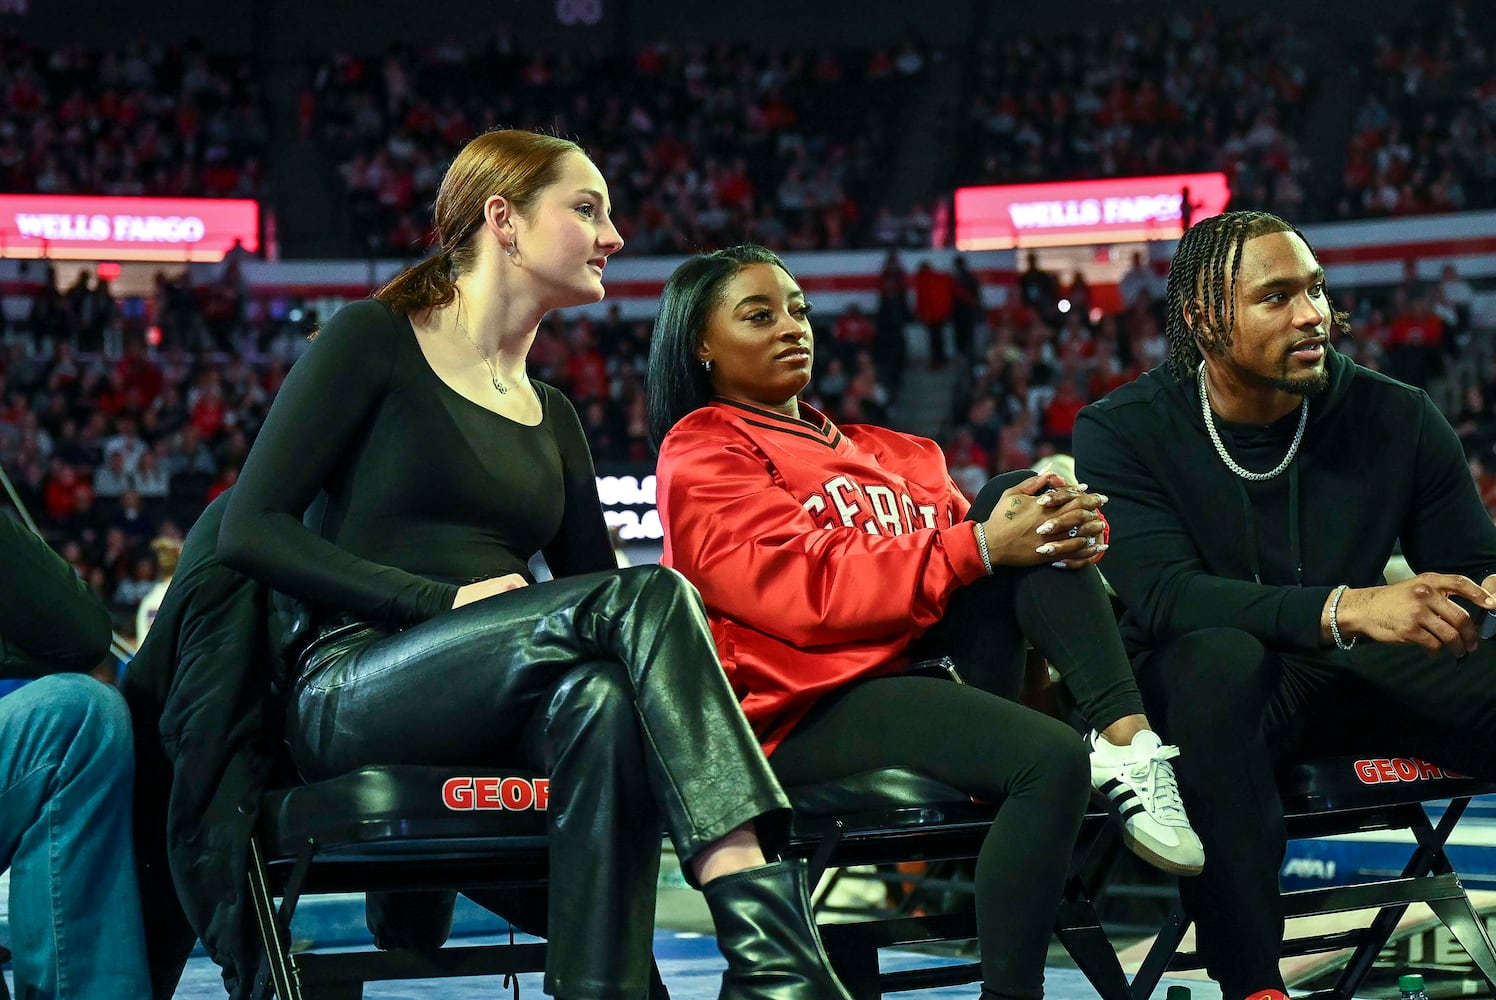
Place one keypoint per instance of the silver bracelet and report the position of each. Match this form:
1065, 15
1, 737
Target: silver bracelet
1335, 596
982, 546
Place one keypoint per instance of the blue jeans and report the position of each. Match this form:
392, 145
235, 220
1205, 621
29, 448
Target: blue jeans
66, 769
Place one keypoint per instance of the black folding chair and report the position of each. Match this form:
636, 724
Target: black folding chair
409, 828
1329, 796
394, 829
895, 815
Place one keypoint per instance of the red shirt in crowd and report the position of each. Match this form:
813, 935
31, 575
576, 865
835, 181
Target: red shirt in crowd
854, 329
587, 375
934, 295
1060, 414
1412, 329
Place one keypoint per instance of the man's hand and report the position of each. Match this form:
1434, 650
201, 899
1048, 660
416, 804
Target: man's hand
1417, 612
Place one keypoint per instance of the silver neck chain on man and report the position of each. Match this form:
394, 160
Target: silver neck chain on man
503, 389
1215, 436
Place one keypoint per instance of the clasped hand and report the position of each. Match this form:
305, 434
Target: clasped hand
1030, 526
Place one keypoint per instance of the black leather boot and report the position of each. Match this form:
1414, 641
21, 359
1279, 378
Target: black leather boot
765, 929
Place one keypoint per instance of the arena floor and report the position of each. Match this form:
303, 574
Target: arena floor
692, 969
689, 960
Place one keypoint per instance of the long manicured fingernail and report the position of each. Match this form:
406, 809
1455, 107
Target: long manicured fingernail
1046, 500
1046, 527
1060, 565
1082, 487
1104, 498
1102, 547
1045, 549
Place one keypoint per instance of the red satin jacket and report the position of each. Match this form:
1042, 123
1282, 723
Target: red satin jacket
821, 552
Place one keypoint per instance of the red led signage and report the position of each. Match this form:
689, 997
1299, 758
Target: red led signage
1121, 210
67, 227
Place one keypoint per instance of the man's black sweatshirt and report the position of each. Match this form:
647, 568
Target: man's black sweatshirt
1194, 546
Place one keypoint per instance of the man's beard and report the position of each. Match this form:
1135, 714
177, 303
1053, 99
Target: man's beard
1309, 384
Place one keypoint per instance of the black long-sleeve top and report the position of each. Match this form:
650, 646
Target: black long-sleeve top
49, 620
425, 489
1194, 546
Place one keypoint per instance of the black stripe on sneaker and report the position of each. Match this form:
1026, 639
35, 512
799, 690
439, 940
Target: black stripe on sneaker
1123, 799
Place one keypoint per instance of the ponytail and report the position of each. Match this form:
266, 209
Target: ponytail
420, 287
511, 162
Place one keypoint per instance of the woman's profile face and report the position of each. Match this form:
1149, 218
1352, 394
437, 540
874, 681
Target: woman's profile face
758, 337
564, 240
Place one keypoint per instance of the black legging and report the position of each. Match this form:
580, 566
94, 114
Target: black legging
607, 681
985, 746
1064, 613
976, 738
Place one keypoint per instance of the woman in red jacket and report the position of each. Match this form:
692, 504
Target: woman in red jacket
831, 558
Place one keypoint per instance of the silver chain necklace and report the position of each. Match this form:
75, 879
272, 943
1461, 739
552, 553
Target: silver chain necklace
503, 389
1215, 436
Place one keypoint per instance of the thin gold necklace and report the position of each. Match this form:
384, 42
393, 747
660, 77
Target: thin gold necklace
492, 374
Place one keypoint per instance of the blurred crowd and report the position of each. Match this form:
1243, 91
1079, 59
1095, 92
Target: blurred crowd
142, 119
1188, 95
120, 418
796, 149
700, 143
1424, 136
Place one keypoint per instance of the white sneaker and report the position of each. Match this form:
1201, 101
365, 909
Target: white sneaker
1138, 782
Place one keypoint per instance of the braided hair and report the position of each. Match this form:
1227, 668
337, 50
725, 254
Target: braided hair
1202, 284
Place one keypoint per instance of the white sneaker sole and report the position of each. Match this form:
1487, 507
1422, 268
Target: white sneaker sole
1157, 860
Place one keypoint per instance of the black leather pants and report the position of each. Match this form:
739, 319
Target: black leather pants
609, 682
583, 736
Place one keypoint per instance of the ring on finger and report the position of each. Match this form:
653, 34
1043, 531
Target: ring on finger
1074, 532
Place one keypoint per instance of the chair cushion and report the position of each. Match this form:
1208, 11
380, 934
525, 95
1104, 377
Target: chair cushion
873, 791
882, 799
1354, 782
407, 810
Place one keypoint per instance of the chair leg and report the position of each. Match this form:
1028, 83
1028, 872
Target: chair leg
1164, 946
857, 968
1079, 930
821, 859
1428, 859
1434, 838
1470, 931
273, 938
1373, 940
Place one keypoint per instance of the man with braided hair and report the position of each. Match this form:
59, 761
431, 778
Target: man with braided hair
1259, 481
